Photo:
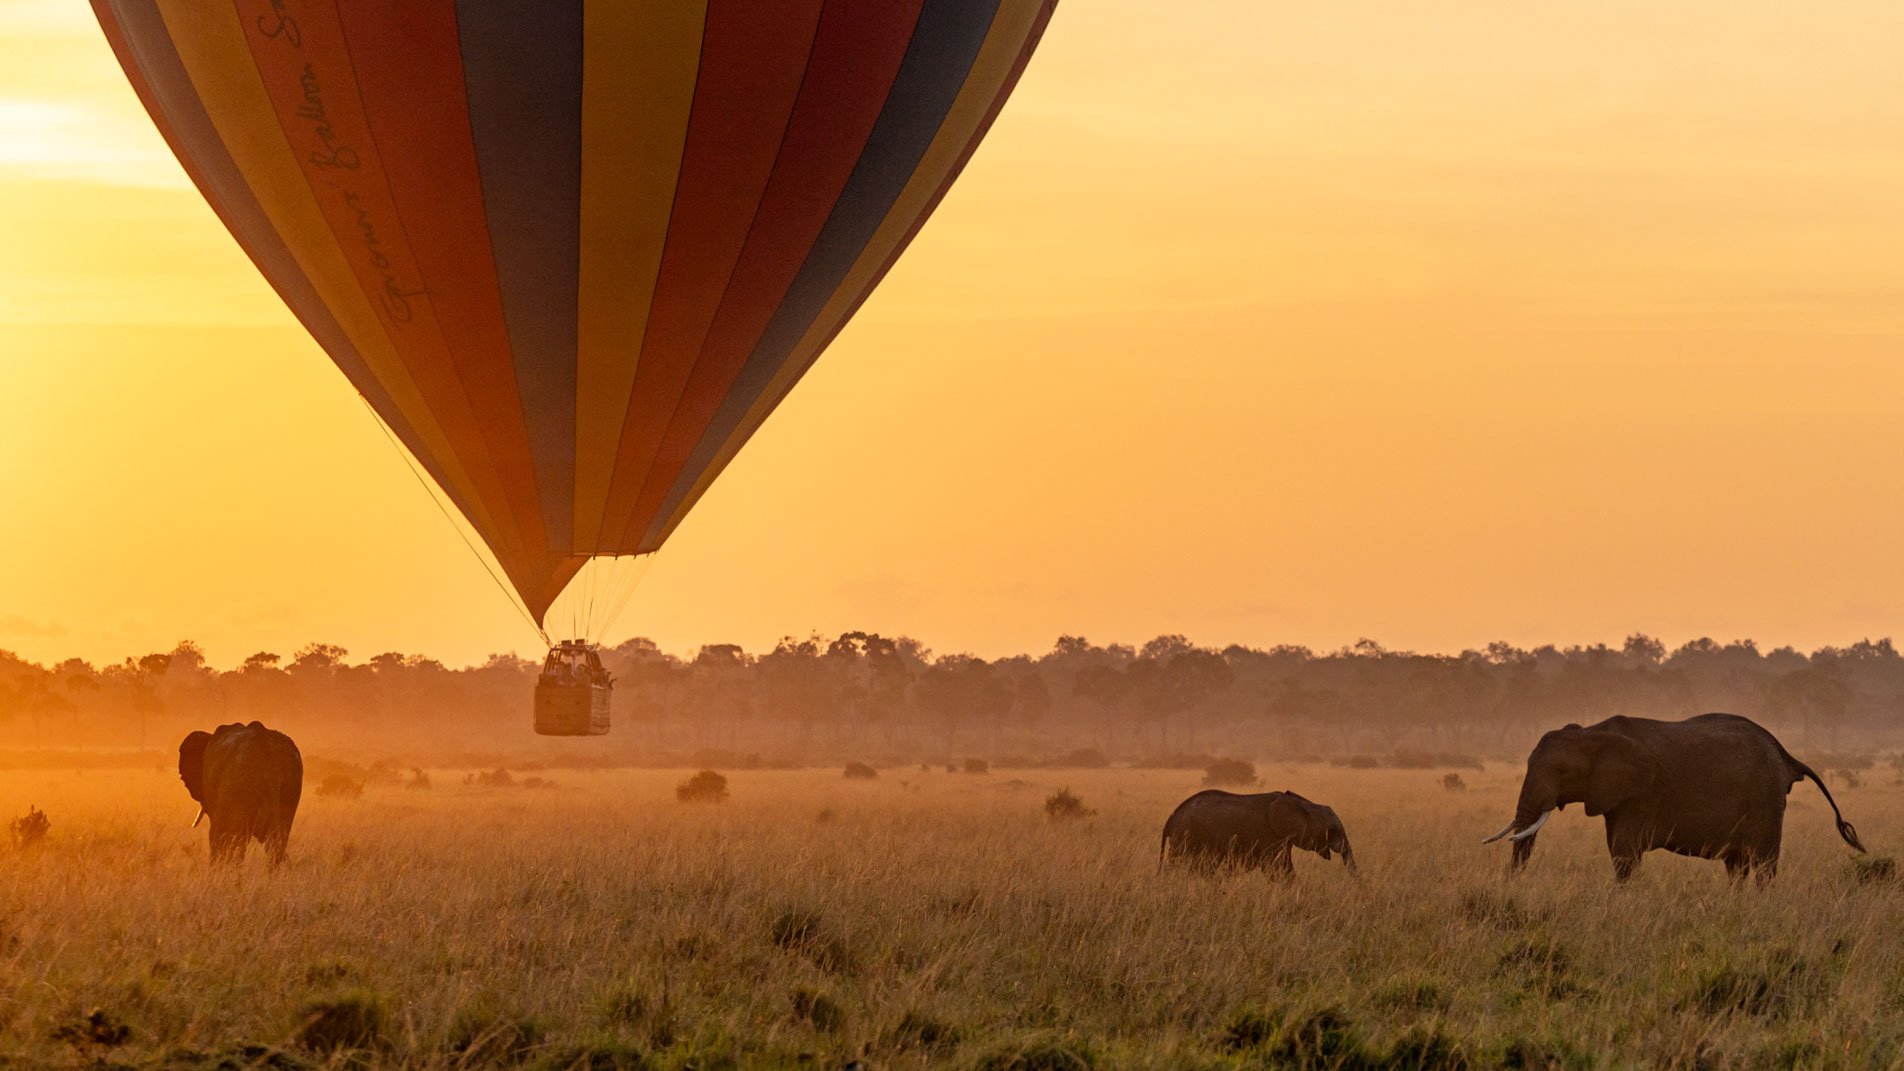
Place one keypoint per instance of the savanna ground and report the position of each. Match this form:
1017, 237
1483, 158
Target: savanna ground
921, 919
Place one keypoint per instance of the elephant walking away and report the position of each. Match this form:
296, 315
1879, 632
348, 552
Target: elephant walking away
1257, 830
247, 780
1713, 786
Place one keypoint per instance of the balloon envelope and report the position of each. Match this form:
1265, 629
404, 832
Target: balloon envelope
573, 254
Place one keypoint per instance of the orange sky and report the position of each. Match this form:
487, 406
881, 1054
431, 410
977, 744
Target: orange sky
1258, 322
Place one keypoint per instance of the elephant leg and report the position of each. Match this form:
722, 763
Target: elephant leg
1765, 870
1278, 865
276, 842
1625, 844
1766, 861
227, 843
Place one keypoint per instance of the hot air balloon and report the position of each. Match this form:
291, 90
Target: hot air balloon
573, 254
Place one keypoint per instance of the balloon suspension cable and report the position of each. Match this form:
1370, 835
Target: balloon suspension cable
436, 496
599, 592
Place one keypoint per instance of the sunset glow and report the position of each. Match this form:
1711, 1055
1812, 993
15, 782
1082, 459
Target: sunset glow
1258, 323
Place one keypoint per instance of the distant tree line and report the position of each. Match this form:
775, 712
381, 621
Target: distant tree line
864, 696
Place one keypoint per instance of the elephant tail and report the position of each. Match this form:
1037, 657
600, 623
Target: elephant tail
1845, 828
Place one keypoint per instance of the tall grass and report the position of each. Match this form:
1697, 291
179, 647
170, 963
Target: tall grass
940, 922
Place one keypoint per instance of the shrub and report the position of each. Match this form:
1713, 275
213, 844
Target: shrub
30, 828
860, 771
341, 786
704, 787
1451, 782
418, 780
977, 766
825, 816
1062, 806
1359, 762
351, 1021
818, 1010
1428, 760
1084, 758
537, 782
1230, 772
496, 778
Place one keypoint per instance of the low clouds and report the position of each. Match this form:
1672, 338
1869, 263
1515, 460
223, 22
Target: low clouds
15, 626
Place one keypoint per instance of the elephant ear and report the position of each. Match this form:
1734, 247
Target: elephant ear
191, 763
1621, 770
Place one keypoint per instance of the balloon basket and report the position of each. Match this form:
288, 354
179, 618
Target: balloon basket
573, 694
571, 710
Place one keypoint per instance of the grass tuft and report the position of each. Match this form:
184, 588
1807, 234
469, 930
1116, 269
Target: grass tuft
606, 1055
1065, 806
1781, 985
924, 1032
818, 1010
353, 1020
805, 933
1038, 1054
1873, 869
96, 1029
484, 1035
1249, 1029
1413, 994
1485, 907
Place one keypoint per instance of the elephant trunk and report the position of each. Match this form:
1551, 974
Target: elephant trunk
1538, 800
1348, 858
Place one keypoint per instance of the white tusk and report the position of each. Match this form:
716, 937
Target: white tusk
1505, 830
1533, 829
201, 816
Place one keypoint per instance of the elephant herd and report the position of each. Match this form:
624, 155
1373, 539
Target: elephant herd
1713, 787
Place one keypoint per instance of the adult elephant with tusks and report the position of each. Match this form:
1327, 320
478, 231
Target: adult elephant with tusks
1257, 830
1713, 786
247, 779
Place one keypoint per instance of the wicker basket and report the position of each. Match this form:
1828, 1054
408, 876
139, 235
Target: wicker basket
572, 695
564, 708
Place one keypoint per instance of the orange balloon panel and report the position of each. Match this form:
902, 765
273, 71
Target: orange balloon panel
573, 254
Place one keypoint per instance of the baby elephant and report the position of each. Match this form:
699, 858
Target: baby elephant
1215, 828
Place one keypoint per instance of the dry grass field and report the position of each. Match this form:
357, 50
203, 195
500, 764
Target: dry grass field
921, 919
